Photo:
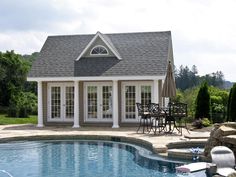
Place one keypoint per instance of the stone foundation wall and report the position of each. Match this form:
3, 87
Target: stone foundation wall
221, 135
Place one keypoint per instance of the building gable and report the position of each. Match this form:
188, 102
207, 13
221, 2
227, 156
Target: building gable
98, 43
100, 40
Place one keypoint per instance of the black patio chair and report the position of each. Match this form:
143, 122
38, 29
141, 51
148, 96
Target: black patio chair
145, 118
158, 117
177, 112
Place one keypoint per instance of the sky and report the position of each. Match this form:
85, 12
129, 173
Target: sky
203, 31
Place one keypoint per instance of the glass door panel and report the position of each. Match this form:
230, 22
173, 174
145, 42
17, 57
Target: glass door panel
92, 102
55, 102
61, 101
107, 102
133, 92
130, 102
146, 94
69, 102
98, 101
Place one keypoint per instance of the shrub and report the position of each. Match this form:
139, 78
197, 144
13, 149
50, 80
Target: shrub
217, 108
232, 105
22, 104
221, 94
178, 97
217, 113
203, 102
197, 123
206, 122
216, 99
189, 97
3, 109
188, 119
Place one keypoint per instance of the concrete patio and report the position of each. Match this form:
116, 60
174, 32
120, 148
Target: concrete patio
158, 143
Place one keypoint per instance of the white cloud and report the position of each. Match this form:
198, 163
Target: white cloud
22, 42
203, 31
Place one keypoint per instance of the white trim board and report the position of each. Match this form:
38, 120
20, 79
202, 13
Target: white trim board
96, 78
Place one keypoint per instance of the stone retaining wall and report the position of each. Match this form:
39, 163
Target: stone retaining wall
222, 135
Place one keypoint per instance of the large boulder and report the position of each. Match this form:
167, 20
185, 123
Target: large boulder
221, 135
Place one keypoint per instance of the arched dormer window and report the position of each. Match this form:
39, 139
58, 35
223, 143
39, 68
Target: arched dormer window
99, 50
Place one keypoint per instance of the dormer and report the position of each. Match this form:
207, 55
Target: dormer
99, 50
100, 46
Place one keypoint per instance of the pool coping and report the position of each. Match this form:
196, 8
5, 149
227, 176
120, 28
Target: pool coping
157, 144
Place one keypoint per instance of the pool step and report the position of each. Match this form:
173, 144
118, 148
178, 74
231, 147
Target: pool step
187, 144
198, 135
184, 153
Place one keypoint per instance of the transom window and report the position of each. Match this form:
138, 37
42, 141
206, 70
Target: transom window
99, 50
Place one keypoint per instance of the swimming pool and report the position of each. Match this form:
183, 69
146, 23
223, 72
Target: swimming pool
66, 158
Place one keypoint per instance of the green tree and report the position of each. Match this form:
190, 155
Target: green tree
219, 99
203, 102
31, 58
22, 104
232, 105
214, 79
186, 78
30, 86
15, 70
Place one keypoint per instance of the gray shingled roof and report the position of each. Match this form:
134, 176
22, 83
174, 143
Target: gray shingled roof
142, 54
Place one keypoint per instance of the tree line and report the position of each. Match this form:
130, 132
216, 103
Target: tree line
186, 78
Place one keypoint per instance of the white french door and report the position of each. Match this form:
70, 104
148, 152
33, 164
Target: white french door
133, 92
60, 101
98, 101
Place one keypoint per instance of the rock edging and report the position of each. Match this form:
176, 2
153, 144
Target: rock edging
221, 135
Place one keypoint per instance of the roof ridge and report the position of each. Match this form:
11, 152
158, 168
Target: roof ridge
145, 32
107, 38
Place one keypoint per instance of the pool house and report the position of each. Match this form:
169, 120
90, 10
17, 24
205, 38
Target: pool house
96, 79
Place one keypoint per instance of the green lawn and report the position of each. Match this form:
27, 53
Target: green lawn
4, 120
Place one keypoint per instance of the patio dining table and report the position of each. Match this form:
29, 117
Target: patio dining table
164, 121
153, 117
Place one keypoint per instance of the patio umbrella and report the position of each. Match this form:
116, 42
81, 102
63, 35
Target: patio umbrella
169, 88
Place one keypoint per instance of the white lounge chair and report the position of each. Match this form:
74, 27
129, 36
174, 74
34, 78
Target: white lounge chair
224, 159
192, 167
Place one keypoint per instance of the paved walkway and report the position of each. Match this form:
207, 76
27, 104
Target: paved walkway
28, 131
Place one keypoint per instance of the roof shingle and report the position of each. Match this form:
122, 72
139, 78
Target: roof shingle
142, 54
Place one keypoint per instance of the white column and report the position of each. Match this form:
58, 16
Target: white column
76, 104
40, 104
115, 104
155, 91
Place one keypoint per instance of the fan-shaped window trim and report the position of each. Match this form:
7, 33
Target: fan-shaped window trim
99, 51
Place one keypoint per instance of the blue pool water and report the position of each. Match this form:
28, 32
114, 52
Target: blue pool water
80, 159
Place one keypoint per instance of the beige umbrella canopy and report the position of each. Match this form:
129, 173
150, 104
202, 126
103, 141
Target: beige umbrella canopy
169, 88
